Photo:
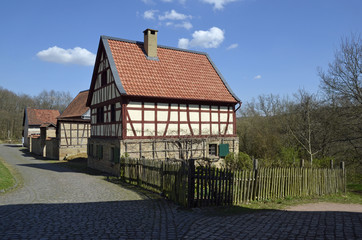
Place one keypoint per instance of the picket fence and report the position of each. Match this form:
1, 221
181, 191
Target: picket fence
201, 186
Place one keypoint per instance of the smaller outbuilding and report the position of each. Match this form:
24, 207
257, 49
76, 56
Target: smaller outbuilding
73, 127
33, 121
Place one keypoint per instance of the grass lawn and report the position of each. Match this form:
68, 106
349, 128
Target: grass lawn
6, 178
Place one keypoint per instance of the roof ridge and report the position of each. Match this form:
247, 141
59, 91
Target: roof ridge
159, 46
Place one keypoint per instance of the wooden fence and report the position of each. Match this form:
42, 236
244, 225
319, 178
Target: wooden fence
200, 186
167, 178
276, 183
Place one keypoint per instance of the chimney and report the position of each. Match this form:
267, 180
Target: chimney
150, 42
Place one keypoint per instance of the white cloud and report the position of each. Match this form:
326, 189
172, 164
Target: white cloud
257, 77
76, 55
186, 25
204, 39
218, 4
180, 1
149, 14
148, 1
173, 15
232, 46
183, 43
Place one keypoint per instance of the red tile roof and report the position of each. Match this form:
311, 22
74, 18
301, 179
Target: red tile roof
77, 107
40, 116
176, 74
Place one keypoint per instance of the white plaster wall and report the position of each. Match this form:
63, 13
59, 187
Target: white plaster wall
149, 115
149, 129
135, 115
172, 130
194, 116
174, 116
162, 115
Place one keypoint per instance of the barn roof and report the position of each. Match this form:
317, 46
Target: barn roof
77, 107
40, 116
176, 74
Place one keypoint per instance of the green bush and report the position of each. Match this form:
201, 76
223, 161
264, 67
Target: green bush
324, 162
289, 157
242, 161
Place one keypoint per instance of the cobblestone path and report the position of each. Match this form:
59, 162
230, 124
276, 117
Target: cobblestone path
56, 203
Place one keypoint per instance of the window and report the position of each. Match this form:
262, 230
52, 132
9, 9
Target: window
212, 149
104, 78
100, 115
113, 113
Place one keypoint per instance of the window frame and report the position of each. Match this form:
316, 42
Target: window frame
215, 148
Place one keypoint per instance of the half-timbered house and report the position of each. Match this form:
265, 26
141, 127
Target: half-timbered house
73, 127
152, 101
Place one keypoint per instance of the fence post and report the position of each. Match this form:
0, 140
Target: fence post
331, 163
302, 163
343, 176
138, 172
191, 184
255, 182
161, 180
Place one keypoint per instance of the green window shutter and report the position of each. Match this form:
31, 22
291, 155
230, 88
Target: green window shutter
116, 155
223, 150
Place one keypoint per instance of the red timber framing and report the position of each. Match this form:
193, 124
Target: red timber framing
188, 119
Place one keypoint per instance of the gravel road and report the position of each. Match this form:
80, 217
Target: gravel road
57, 203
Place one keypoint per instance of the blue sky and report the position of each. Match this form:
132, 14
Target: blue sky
260, 46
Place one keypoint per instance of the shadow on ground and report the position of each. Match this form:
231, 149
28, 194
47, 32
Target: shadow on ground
158, 219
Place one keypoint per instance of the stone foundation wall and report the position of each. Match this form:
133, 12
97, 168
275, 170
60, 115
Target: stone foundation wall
103, 163
161, 149
65, 152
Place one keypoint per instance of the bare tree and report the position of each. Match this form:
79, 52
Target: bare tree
306, 123
342, 84
53, 100
343, 80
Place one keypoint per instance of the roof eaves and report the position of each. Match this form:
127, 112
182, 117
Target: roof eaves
113, 65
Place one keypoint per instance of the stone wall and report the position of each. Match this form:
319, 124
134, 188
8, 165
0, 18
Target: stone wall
65, 152
161, 149
103, 163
